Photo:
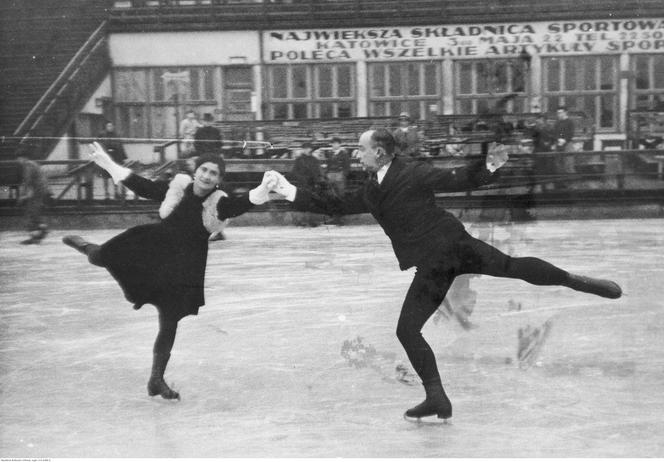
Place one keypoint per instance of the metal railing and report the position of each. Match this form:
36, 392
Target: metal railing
600, 174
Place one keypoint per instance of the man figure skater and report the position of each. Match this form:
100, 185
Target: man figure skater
401, 199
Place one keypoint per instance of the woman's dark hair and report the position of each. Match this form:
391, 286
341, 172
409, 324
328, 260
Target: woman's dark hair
215, 159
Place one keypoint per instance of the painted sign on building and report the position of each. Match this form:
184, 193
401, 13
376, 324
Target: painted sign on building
465, 41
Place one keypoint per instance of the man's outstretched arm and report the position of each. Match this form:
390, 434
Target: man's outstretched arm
464, 178
329, 204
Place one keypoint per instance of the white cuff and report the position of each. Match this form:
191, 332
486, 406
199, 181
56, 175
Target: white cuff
290, 191
119, 173
259, 195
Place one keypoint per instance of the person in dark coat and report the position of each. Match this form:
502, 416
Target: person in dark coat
401, 198
563, 132
543, 162
306, 168
109, 140
337, 170
163, 263
207, 138
407, 137
338, 166
34, 193
308, 173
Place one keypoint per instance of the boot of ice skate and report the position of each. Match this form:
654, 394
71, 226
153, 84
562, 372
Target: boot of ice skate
436, 403
602, 287
76, 242
36, 235
156, 384
42, 232
86, 248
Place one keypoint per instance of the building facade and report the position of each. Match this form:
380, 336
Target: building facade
603, 67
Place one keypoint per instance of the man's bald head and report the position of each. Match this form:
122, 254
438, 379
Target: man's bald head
376, 149
380, 138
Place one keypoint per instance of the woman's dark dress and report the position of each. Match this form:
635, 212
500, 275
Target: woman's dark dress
164, 263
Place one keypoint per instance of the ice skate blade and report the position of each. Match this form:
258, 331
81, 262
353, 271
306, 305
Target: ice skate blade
428, 420
165, 399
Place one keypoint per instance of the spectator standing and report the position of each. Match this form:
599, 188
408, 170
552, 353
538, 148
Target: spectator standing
207, 139
188, 127
407, 136
338, 168
542, 135
307, 172
563, 132
109, 140
33, 192
306, 169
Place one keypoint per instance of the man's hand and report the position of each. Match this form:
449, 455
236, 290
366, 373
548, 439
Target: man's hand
260, 194
284, 187
270, 180
496, 157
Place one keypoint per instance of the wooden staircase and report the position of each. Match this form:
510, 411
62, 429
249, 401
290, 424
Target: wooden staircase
39, 40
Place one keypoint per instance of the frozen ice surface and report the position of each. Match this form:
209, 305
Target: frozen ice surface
261, 371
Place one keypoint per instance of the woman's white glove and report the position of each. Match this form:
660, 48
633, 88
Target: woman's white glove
284, 187
261, 193
101, 158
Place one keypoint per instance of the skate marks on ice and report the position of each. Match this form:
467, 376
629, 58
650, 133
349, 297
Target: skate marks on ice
359, 355
74, 356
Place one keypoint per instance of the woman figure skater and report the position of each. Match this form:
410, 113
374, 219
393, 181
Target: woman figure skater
163, 263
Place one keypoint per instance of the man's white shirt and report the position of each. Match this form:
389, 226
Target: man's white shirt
380, 174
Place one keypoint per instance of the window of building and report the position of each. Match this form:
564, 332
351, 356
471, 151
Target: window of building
412, 87
149, 102
648, 84
584, 83
491, 86
238, 87
131, 94
322, 91
193, 85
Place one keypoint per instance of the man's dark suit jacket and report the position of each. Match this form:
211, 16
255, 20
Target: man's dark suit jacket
404, 205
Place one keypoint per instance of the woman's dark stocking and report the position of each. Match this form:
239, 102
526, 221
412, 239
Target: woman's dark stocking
161, 354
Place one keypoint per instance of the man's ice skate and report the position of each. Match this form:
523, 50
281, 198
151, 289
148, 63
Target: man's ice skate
602, 287
436, 403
